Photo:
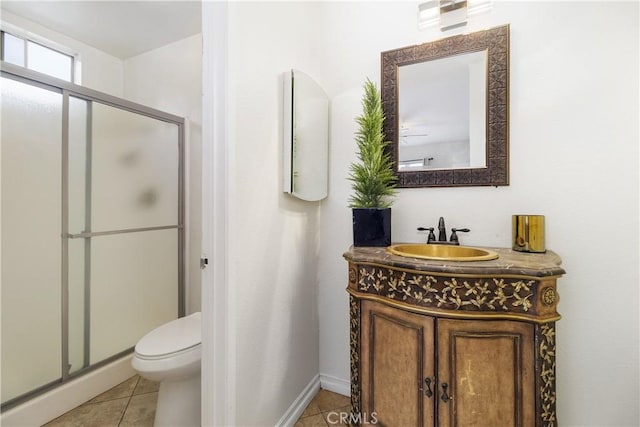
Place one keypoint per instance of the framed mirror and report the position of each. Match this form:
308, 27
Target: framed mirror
446, 106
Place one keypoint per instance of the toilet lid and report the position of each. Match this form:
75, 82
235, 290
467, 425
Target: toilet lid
172, 337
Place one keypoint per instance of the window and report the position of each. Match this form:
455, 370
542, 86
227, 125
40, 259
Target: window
34, 56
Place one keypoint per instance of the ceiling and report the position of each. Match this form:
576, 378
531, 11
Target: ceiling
120, 28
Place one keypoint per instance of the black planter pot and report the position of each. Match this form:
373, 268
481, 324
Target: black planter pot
371, 227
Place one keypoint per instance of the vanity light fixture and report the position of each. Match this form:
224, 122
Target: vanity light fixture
449, 14
428, 14
453, 14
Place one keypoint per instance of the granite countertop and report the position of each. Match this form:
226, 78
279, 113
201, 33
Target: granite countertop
508, 262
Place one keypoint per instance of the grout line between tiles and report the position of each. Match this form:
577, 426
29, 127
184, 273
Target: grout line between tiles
128, 402
146, 392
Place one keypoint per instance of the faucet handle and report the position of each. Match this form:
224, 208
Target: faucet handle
454, 236
442, 230
432, 237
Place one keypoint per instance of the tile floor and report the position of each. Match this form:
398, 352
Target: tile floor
324, 410
133, 403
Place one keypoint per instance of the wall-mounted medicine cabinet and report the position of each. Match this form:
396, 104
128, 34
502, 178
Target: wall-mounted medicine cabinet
306, 137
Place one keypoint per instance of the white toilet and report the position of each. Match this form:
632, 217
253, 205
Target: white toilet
170, 354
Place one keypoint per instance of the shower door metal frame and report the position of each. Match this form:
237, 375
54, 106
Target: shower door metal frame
68, 90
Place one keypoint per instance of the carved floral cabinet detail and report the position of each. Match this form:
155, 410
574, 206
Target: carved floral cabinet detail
453, 344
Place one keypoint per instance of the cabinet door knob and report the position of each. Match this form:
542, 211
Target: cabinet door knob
428, 392
445, 397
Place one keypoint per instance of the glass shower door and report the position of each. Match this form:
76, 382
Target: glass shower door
31, 227
92, 230
123, 228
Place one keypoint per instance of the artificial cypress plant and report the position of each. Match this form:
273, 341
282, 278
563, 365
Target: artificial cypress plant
372, 177
373, 180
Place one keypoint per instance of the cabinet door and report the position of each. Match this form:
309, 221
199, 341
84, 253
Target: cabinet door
486, 369
397, 354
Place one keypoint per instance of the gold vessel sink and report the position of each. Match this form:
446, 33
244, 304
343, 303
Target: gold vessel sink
441, 252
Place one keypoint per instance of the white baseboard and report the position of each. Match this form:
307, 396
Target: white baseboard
42, 409
298, 406
335, 384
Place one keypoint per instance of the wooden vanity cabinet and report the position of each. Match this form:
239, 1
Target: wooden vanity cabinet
398, 354
452, 348
474, 373
488, 367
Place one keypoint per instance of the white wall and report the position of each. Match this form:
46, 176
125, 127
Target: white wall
574, 158
273, 238
170, 79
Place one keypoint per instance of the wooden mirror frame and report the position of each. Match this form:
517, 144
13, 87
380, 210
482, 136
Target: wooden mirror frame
496, 42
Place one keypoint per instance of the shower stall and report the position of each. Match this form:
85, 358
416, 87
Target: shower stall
93, 237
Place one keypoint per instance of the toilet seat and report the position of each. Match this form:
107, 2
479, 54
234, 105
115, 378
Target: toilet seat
175, 354
172, 367
172, 339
